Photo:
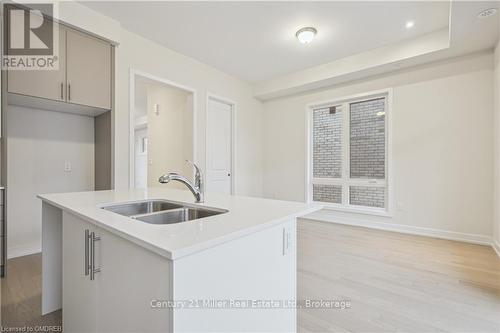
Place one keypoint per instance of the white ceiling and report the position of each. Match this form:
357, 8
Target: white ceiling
255, 40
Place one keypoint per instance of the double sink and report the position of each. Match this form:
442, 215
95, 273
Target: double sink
162, 211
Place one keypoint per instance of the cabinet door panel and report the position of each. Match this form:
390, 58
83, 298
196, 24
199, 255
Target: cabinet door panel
79, 293
131, 277
88, 70
47, 84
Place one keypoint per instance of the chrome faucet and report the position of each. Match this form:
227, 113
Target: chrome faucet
197, 189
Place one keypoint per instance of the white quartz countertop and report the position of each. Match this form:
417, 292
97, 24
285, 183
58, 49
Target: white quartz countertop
246, 215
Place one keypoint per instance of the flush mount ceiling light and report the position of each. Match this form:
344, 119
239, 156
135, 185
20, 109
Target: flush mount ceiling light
306, 35
409, 24
487, 13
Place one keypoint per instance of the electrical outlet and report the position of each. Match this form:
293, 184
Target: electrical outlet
67, 166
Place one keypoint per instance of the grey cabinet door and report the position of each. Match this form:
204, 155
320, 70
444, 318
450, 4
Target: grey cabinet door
88, 70
48, 84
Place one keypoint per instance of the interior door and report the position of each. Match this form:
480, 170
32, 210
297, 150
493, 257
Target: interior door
219, 146
89, 70
49, 84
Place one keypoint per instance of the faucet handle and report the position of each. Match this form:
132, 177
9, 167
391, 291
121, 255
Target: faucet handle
198, 171
198, 175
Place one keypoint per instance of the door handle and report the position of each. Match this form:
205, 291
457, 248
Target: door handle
69, 92
62, 91
93, 270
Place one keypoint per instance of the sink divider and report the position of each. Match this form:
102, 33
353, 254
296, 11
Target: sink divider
159, 212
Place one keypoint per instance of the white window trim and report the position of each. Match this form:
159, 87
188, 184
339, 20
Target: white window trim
387, 183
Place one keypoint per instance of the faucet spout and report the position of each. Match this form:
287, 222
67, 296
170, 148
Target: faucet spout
197, 188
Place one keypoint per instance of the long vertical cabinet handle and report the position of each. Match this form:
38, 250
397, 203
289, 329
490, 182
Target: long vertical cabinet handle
69, 92
93, 270
62, 91
87, 240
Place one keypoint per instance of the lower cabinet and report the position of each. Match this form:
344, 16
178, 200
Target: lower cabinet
119, 297
79, 292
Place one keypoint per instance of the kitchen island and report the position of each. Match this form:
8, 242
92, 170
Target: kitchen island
231, 267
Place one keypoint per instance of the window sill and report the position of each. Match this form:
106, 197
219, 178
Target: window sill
355, 210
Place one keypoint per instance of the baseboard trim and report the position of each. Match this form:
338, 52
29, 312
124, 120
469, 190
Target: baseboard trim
412, 230
24, 250
496, 246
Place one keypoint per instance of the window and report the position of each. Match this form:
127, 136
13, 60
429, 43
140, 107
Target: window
348, 153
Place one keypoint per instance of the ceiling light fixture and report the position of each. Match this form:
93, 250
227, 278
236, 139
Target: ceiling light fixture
409, 24
306, 35
487, 13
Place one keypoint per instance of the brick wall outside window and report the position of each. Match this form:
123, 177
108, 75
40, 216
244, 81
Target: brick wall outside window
367, 196
327, 145
327, 193
367, 143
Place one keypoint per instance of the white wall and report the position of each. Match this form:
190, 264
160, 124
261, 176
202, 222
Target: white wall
442, 145
38, 145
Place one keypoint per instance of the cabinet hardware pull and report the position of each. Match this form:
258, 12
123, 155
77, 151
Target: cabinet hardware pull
87, 239
62, 90
69, 92
93, 270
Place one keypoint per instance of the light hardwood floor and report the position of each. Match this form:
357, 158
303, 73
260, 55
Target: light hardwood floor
394, 282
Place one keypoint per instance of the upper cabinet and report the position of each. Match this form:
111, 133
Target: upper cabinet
88, 70
49, 84
83, 78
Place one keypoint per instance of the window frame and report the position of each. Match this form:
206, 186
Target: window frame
345, 181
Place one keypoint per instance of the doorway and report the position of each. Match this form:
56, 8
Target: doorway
162, 135
220, 145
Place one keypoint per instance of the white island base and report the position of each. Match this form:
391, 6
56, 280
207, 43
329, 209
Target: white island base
243, 284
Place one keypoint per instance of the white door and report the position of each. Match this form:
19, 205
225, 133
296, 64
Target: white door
219, 146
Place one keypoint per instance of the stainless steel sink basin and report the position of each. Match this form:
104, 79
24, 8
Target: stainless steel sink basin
162, 211
142, 207
179, 215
